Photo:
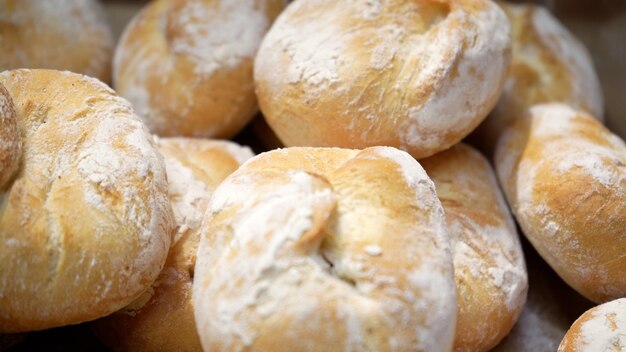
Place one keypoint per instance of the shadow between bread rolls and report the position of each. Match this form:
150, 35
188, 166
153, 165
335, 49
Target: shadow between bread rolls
162, 318
85, 222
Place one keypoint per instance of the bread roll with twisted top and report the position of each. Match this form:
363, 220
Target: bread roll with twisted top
548, 65
314, 249
489, 270
418, 75
85, 225
162, 318
56, 34
186, 66
564, 175
10, 142
602, 328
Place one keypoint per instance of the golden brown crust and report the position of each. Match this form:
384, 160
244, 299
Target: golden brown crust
602, 328
563, 174
490, 274
86, 224
162, 318
548, 65
186, 66
10, 141
400, 73
311, 249
56, 34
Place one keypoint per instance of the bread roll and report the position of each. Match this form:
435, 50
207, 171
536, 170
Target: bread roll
419, 76
602, 328
489, 270
186, 66
309, 249
85, 226
10, 142
549, 65
564, 175
162, 318
57, 34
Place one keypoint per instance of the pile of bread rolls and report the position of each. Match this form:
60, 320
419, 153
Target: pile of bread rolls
365, 225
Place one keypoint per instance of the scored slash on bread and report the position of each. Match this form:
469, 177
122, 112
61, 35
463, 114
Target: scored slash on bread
316, 249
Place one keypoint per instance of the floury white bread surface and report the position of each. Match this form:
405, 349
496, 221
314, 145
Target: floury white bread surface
548, 65
85, 225
564, 175
602, 328
186, 66
319, 249
162, 318
10, 142
489, 269
419, 76
56, 34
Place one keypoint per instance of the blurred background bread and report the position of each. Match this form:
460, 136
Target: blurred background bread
548, 65
186, 66
68, 35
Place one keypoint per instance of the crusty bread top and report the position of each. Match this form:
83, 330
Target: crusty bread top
57, 34
602, 328
398, 73
315, 249
86, 225
10, 141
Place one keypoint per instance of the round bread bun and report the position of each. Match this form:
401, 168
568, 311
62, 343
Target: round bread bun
186, 66
10, 141
417, 75
489, 269
56, 34
314, 249
162, 318
564, 175
85, 226
602, 328
548, 65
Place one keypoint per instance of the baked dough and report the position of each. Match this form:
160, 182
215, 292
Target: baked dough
85, 225
417, 75
56, 34
548, 65
313, 249
162, 318
10, 141
186, 66
489, 269
602, 328
564, 175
